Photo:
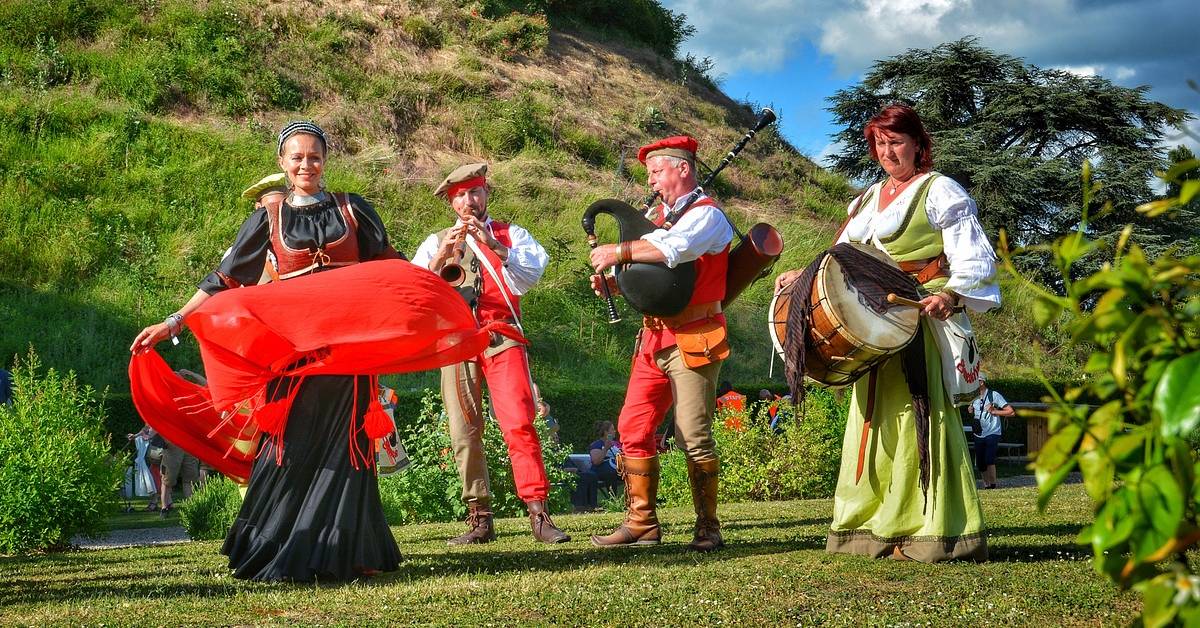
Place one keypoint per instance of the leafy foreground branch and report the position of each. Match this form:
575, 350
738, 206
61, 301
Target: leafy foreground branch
1136, 446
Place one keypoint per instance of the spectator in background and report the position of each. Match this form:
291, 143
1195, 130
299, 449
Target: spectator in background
604, 452
177, 463
768, 409
543, 411
6, 391
150, 445
987, 409
155, 446
730, 399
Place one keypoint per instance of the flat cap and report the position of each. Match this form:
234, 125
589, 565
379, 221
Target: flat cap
682, 146
469, 175
271, 183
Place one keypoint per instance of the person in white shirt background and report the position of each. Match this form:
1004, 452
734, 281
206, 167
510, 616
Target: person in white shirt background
987, 408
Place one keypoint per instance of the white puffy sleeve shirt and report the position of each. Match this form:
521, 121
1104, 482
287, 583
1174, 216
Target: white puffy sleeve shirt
701, 230
952, 212
526, 262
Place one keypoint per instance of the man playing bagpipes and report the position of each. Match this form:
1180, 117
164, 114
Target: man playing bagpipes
676, 359
491, 263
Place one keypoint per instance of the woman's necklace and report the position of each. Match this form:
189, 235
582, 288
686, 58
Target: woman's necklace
892, 186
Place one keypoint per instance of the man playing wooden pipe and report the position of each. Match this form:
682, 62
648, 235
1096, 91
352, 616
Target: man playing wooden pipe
492, 263
677, 359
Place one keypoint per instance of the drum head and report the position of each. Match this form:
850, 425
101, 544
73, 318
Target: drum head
860, 324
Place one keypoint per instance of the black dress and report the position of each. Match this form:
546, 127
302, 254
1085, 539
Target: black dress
313, 516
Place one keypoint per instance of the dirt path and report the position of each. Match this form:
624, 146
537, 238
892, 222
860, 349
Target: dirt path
134, 538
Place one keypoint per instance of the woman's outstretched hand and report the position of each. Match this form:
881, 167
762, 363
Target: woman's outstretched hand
150, 336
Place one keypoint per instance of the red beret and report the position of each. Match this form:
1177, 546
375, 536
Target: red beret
683, 146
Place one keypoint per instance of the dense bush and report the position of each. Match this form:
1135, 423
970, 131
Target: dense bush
57, 477
429, 489
758, 464
644, 21
208, 514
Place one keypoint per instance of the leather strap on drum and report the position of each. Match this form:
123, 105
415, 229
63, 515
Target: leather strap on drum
866, 429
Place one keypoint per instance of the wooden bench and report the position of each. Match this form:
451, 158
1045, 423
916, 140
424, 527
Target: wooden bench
1010, 450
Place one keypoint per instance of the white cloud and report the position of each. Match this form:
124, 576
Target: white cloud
1081, 70
1124, 73
749, 36
1149, 40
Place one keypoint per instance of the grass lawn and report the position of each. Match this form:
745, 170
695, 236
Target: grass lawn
774, 571
139, 517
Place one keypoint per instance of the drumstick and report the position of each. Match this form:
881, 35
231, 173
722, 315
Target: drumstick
899, 300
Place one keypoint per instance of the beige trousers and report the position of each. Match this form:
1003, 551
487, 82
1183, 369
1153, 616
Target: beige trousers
656, 382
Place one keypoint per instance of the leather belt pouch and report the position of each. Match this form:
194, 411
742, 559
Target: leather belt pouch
703, 342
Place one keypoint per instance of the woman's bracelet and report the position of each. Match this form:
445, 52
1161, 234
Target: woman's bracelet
174, 325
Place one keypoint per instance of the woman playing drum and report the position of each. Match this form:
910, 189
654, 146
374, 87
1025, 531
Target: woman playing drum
928, 225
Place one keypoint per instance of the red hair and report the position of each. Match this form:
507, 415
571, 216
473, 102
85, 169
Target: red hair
900, 118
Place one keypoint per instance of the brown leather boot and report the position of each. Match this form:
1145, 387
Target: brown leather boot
641, 491
703, 478
479, 525
544, 529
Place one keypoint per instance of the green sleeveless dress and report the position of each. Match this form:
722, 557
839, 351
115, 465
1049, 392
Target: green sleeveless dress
885, 508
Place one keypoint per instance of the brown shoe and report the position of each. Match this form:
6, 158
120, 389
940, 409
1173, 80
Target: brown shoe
544, 529
703, 478
641, 491
479, 526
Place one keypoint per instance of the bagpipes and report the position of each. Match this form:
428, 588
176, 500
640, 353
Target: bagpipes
654, 289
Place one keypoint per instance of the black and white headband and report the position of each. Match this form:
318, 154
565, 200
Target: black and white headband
301, 126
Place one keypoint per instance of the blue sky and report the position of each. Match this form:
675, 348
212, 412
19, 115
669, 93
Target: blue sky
792, 54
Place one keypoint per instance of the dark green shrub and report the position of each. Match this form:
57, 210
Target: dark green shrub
578, 407
422, 33
57, 477
429, 489
644, 21
208, 514
758, 464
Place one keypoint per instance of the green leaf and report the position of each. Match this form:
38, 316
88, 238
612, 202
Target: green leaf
1156, 208
1180, 168
1115, 521
1047, 309
1126, 444
1098, 362
1162, 503
1070, 248
1177, 398
1094, 461
1055, 461
1158, 595
1048, 482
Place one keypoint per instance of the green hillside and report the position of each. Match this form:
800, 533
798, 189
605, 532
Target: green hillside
127, 130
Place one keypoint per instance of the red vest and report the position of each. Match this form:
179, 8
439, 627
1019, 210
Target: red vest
491, 305
294, 262
710, 285
711, 268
